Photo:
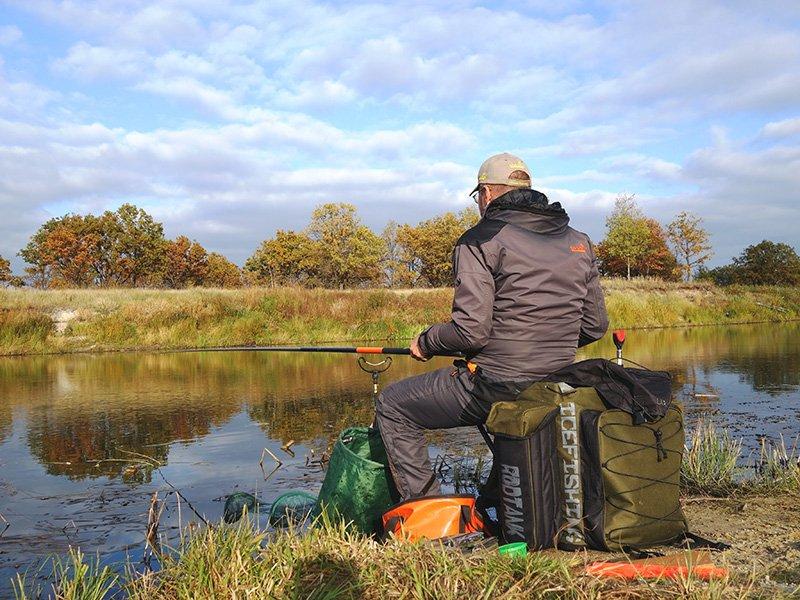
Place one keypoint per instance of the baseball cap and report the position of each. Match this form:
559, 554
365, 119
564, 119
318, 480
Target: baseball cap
498, 169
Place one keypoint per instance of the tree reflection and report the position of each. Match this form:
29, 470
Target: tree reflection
83, 411
88, 416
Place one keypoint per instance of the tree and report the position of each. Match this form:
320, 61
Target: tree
5, 270
395, 269
185, 263
767, 263
345, 252
657, 261
66, 251
137, 245
287, 259
222, 273
428, 247
124, 247
627, 233
725, 275
690, 241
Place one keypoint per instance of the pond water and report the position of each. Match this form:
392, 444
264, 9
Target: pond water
76, 431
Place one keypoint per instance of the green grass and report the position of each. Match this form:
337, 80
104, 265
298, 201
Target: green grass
710, 461
777, 468
33, 321
70, 578
654, 303
712, 465
331, 562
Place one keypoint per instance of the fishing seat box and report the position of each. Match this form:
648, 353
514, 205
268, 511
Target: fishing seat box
574, 474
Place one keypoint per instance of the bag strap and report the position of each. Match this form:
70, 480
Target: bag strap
692, 540
465, 519
486, 437
427, 486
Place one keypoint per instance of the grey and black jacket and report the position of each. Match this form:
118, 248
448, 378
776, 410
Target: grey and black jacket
527, 293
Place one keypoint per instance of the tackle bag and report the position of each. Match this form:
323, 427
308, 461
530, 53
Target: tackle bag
433, 517
358, 487
574, 473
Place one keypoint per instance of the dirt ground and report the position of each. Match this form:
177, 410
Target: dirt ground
764, 532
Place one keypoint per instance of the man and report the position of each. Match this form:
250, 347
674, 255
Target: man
527, 296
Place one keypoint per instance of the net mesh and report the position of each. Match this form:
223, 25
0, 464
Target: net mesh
358, 487
291, 508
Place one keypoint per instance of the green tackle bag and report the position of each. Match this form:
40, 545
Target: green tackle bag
358, 487
575, 474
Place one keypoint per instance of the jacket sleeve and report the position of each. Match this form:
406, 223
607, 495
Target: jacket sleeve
594, 322
471, 322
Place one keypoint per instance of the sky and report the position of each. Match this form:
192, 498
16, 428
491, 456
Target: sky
230, 120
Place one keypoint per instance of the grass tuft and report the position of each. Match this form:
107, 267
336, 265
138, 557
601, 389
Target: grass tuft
711, 465
777, 468
72, 578
710, 461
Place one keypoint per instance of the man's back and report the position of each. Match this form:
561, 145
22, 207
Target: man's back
527, 292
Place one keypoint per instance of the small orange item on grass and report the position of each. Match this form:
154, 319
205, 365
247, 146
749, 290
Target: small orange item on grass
674, 566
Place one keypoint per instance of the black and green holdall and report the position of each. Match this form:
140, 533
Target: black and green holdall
596, 466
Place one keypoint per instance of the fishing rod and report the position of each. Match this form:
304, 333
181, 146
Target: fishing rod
332, 349
374, 369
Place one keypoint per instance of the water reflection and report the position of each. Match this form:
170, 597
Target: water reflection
83, 410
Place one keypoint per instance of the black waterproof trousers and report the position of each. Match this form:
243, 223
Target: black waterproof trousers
440, 399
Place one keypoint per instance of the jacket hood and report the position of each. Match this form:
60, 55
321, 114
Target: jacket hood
529, 209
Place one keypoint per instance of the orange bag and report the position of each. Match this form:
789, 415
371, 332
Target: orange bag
432, 517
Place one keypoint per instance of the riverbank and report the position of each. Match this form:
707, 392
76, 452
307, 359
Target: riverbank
329, 562
752, 508
92, 320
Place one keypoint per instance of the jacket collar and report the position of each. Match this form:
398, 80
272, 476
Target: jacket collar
529, 209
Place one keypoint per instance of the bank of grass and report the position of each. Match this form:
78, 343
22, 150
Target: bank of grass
33, 321
328, 562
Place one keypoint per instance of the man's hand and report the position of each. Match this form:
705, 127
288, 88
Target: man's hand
416, 352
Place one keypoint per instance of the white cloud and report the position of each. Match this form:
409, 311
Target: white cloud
645, 166
101, 62
10, 35
781, 129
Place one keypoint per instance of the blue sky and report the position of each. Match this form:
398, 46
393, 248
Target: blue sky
229, 120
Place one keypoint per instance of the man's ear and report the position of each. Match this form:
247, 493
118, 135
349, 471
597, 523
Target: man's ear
488, 195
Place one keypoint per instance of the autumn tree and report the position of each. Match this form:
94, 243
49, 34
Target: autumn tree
185, 263
657, 261
428, 247
123, 247
286, 259
5, 270
345, 252
691, 242
66, 251
395, 268
221, 272
627, 233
